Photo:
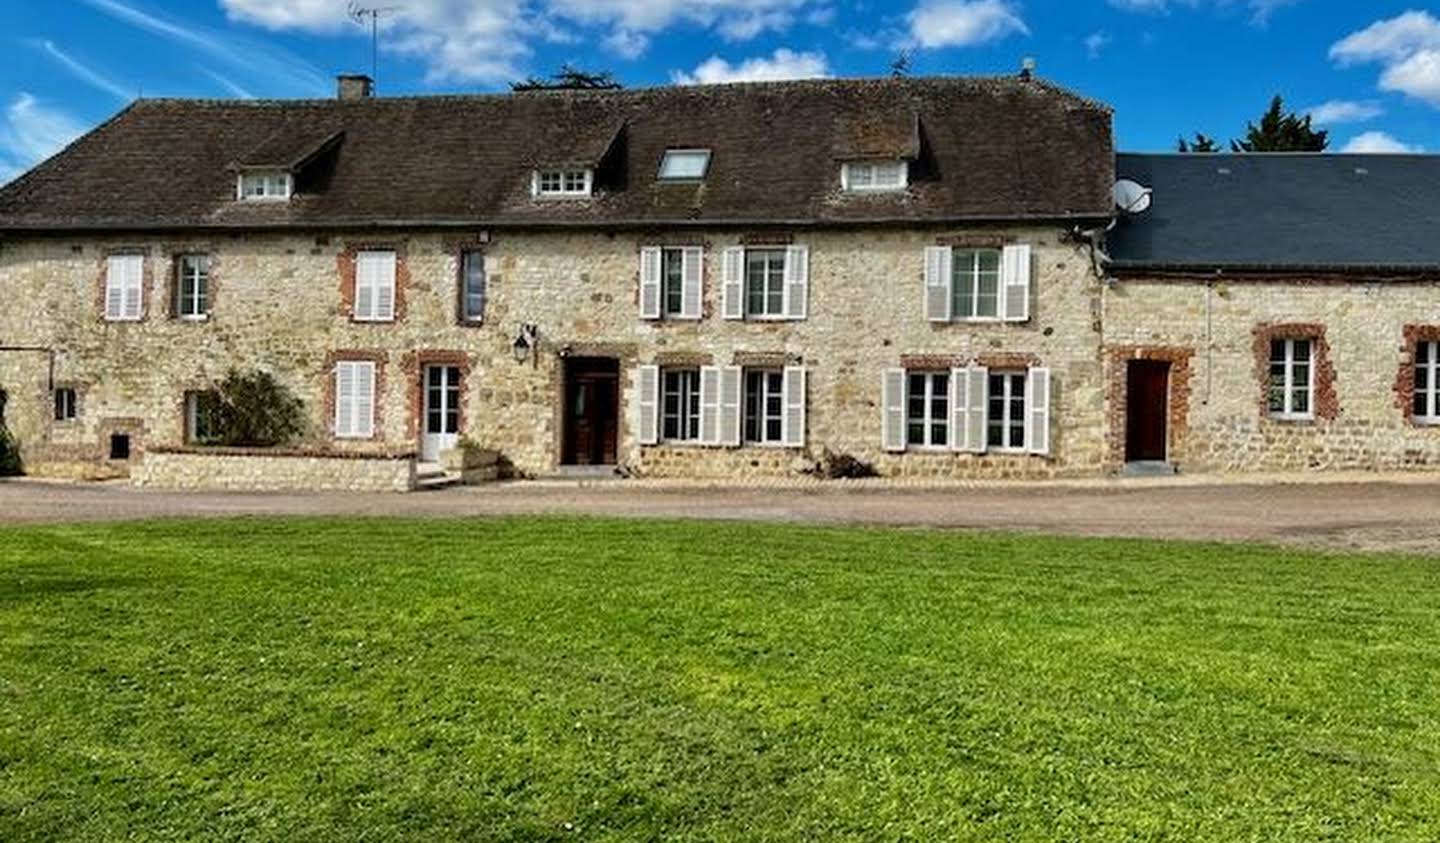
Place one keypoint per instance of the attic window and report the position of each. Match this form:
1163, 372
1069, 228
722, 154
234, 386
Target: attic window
265, 185
563, 182
869, 176
684, 164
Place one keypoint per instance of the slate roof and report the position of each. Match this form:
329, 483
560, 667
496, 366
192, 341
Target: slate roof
985, 149
1282, 212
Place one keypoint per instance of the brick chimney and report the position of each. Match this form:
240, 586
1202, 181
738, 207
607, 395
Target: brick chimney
354, 86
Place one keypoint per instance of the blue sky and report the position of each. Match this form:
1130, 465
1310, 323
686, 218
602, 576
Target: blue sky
1370, 69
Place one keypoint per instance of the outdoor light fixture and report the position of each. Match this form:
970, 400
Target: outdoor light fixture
525, 343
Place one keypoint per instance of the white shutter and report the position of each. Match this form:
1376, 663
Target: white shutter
692, 275
651, 260
960, 410
115, 287
354, 399
939, 281
732, 381
647, 385
733, 283
364, 400
797, 281
344, 400
132, 304
710, 405
977, 409
364, 286
1037, 411
1015, 283
385, 286
892, 409
793, 422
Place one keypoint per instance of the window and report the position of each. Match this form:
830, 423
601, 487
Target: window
976, 286
65, 404
1006, 417
472, 286
863, 176
765, 283
119, 446
354, 399
124, 290
1292, 379
681, 405
563, 182
375, 286
1427, 382
672, 282
684, 164
764, 406
928, 410
265, 184
202, 417
192, 288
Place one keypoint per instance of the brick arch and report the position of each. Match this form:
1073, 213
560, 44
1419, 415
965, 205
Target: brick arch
1178, 423
1326, 401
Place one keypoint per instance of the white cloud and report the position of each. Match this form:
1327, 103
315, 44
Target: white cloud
1378, 142
1344, 111
784, 64
31, 132
1260, 10
963, 23
83, 72
1096, 42
1407, 47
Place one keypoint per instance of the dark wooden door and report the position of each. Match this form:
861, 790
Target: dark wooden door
1147, 411
592, 420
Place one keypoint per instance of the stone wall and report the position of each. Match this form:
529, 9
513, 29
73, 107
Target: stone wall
281, 302
1222, 330
273, 471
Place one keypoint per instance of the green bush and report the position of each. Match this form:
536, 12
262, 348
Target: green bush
9, 448
251, 410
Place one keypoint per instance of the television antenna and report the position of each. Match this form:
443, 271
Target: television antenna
359, 13
1133, 197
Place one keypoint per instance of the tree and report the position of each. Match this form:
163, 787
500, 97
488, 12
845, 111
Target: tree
570, 78
252, 410
1202, 143
1282, 131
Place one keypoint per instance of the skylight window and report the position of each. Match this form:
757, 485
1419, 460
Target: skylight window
872, 176
563, 183
265, 184
684, 164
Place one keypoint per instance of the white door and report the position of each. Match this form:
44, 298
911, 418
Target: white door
442, 411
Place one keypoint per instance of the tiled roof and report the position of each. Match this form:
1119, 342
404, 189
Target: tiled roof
1279, 212
985, 149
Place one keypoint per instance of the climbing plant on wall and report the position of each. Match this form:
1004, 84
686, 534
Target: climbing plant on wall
9, 448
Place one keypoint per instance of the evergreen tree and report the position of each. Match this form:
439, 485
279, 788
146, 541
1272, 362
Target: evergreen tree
570, 78
1202, 143
1282, 131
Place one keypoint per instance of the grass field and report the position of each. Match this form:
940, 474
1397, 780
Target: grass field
601, 680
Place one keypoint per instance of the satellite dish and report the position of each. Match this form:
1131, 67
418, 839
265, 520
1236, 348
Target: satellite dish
1133, 197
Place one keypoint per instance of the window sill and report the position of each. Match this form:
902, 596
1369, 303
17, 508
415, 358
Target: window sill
358, 321
470, 323
131, 320
201, 318
1291, 419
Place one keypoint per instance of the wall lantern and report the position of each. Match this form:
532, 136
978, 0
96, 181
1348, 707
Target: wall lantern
526, 343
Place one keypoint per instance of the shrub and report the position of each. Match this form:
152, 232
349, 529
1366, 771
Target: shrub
9, 449
253, 410
835, 466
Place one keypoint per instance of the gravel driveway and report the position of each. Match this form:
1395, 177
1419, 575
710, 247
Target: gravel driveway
1401, 514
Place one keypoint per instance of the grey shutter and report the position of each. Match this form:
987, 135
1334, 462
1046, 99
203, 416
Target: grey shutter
892, 410
710, 405
977, 413
1015, 283
1037, 411
647, 388
793, 422
692, 274
960, 410
731, 383
650, 263
797, 282
939, 281
733, 282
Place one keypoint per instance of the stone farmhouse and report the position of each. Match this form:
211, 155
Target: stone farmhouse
928, 275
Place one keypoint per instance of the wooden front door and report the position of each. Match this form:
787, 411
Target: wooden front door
1147, 411
592, 420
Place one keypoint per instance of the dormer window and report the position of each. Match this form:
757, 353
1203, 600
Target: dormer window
563, 183
874, 176
261, 185
684, 164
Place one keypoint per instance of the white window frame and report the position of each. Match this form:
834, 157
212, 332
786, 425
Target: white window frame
782, 315
66, 400
768, 391
268, 181
972, 279
563, 189
1432, 393
852, 180
192, 416
202, 275
1012, 380
678, 154
1288, 412
689, 405
364, 426
928, 419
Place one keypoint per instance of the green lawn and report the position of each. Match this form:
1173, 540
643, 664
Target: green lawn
562, 679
